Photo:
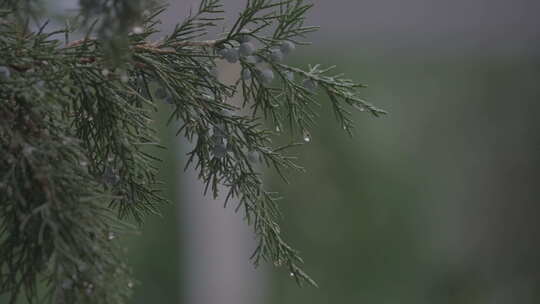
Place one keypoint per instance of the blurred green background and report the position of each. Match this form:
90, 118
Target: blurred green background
435, 203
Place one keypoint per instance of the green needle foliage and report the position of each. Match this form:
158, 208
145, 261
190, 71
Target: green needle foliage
76, 135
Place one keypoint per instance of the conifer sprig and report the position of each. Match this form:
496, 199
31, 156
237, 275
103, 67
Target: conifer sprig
77, 139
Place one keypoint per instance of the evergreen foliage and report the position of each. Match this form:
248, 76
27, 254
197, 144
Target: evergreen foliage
76, 137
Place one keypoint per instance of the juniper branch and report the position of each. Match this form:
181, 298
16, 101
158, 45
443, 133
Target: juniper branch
76, 129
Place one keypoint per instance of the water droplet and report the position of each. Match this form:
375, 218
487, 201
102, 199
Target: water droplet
359, 107
291, 274
130, 284
137, 30
111, 236
307, 136
105, 72
278, 129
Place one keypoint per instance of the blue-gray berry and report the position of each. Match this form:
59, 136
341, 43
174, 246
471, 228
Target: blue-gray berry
246, 49
223, 52
267, 76
287, 47
244, 37
246, 74
276, 55
5, 73
289, 75
219, 150
232, 56
310, 85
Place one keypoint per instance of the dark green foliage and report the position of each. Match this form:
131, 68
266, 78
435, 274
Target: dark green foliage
76, 137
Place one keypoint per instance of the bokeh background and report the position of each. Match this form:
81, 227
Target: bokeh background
435, 203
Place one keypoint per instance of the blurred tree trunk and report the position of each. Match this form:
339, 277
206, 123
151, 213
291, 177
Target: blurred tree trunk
217, 244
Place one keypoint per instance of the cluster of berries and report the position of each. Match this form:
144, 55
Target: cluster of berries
247, 50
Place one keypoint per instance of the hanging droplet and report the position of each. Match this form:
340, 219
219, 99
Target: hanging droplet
291, 274
359, 107
111, 236
278, 129
307, 136
130, 284
137, 30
